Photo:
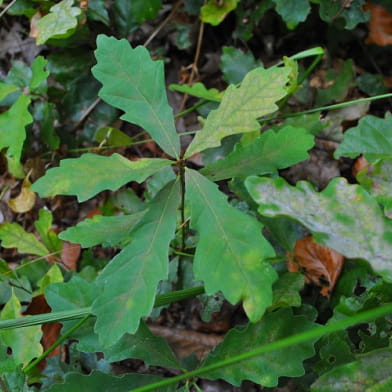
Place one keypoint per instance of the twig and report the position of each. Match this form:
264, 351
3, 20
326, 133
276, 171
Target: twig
7, 7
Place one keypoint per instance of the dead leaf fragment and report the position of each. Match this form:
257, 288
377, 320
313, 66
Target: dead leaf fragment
320, 265
380, 25
70, 255
25, 201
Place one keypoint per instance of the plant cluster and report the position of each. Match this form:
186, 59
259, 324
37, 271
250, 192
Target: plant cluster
216, 216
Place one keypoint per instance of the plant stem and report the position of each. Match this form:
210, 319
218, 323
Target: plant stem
64, 337
315, 333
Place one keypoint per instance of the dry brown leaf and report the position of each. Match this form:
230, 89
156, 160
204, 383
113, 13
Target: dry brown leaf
320, 265
25, 201
380, 25
70, 255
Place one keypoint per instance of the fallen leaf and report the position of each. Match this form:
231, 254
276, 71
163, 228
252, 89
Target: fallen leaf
380, 25
70, 255
320, 265
25, 201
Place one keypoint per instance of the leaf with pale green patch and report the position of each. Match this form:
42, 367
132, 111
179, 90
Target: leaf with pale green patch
91, 173
213, 12
198, 90
130, 280
371, 372
264, 369
241, 107
292, 11
24, 342
98, 381
13, 124
371, 137
343, 217
59, 22
6, 89
54, 275
12, 235
135, 84
267, 153
105, 230
228, 258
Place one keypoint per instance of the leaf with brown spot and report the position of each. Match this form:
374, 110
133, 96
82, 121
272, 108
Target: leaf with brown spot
321, 265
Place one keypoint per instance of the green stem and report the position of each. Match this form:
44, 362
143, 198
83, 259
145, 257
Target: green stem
64, 337
191, 109
160, 300
315, 333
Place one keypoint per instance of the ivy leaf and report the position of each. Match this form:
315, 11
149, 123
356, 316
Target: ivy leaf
227, 258
98, 381
105, 230
13, 133
370, 372
292, 11
241, 106
214, 13
134, 83
130, 280
268, 367
343, 217
91, 173
266, 154
235, 64
13, 235
371, 137
198, 90
61, 19
24, 342
6, 89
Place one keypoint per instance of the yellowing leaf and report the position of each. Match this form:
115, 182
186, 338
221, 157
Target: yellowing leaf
25, 200
241, 107
216, 10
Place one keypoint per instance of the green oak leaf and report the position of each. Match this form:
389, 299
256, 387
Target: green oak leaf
371, 137
24, 342
377, 180
105, 230
268, 367
98, 381
267, 153
134, 83
228, 258
241, 106
44, 227
292, 11
371, 372
198, 90
13, 133
130, 280
53, 275
213, 12
61, 19
13, 235
38, 73
343, 217
235, 64
286, 290
91, 173
6, 89
112, 136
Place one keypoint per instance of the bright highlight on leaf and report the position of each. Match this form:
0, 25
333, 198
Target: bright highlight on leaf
267, 368
228, 258
61, 19
241, 107
135, 84
90, 174
268, 153
343, 217
130, 280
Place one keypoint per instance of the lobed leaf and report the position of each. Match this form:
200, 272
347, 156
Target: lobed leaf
90, 174
371, 137
38, 73
105, 230
343, 217
241, 106
134, 83
228, 258
61, 19
6, 89
130, 280
268, 153
292, 11
267, 368
13, 235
